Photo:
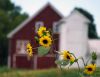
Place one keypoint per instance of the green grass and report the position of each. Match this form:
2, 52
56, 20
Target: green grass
5, 72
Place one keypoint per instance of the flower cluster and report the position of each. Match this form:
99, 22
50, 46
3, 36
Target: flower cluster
44, 37
69, 58
45, 41
43, 32
29, 50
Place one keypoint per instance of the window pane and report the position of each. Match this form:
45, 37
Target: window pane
21, 46
37, 25
55, 28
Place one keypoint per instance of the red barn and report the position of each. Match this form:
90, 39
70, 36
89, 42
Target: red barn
25, 32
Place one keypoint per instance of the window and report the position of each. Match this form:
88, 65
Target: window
37, 25
55, 27
21, 46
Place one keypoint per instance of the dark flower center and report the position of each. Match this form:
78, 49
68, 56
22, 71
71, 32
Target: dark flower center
45, 41
43, 31
89, 69
68, 57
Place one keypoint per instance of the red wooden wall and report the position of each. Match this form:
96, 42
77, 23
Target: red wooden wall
48, 15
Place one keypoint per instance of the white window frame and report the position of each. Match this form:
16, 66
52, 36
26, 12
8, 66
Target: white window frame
37, 25
22, 50
55, 30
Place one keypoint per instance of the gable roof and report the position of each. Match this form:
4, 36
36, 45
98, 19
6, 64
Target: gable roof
23, 24
82, 15
65, 19
76, 12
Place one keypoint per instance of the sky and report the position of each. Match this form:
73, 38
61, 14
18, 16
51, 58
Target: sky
64, 6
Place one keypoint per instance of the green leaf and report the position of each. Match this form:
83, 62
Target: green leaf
36, 38
65, 62
76, 60
94, 56
43, 50
44, 33
71, 63
62, 62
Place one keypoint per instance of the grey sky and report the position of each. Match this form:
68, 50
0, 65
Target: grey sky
64, 6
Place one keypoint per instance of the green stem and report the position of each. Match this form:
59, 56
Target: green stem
78, 66
76, 62
88, 60
83, 61
60, 68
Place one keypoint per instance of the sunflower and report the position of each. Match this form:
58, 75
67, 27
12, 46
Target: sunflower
45, 41
89, 69
29, 50
67, 56
41, 30
72, 59
47, 33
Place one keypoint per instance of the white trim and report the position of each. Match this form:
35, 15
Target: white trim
9, 54
18, 28
55, 28
35, 62
14, 61
29, 19
9, 61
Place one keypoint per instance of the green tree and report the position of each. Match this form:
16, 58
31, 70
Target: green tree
92, 32
10, 17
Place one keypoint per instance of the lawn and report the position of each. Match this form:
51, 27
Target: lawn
5, 72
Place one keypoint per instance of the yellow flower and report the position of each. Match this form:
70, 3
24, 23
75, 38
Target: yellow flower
29, 50
67, 56
47, 33
42, 31
72, 59
28, 46
89, 69
45, 41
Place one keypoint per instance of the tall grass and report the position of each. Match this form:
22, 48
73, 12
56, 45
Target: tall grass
5, 72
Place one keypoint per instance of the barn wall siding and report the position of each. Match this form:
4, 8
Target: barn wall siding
48, 16
23, 62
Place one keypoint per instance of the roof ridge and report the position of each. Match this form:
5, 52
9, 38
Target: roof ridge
9, 35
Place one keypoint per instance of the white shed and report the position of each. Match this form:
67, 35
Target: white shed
74, 34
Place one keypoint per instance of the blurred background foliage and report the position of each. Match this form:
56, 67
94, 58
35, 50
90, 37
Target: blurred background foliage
92, 32
11, 17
